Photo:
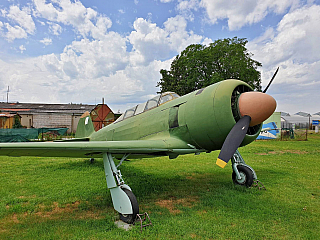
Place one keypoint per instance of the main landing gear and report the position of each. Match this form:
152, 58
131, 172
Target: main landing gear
242, 173
124, 201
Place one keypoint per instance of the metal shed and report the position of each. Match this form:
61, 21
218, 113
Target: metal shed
101, 116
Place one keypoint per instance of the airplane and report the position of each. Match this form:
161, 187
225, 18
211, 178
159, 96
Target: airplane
223, 116
269, 131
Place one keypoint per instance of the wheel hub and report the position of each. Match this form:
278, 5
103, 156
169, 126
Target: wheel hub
243, 178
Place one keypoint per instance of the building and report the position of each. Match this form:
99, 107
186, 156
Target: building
298, 120
101, 116
7, 120
35, 115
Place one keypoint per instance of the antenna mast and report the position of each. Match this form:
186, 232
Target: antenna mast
8, 95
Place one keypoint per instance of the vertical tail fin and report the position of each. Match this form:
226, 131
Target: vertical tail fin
85, 126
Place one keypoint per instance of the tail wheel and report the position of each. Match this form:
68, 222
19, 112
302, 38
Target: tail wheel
130, 218
246, 176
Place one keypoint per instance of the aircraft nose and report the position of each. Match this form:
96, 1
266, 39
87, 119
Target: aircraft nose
259, 106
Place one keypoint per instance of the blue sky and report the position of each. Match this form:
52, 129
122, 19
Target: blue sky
65, 51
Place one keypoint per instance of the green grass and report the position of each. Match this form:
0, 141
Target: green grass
188, 197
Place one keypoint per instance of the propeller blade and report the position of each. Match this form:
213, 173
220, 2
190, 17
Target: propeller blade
233, 141
274, 75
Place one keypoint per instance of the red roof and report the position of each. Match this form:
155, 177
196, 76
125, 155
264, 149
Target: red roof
7, 115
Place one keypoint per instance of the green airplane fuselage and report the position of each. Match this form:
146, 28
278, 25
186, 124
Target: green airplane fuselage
202, 119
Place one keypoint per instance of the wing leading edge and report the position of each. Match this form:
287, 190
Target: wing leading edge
171, 147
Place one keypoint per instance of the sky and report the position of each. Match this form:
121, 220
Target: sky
64, 51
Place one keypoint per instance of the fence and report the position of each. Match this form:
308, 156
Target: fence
294, 131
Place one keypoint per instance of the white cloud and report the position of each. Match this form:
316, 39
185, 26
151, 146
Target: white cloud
97, 58
86, 21
179, 37
296, 37
294, 47
14, 32
185, 7
207, 41
166, 1
151, 42
54, 28
22, 48
21, 17
238, 13
23, 20
148, 41
121, 11
46, 41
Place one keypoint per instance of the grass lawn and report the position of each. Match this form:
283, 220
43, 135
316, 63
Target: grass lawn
188, 197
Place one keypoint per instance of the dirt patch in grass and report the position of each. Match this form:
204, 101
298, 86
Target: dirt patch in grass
171, 204
57, 212
12, 219
283, 151
15, 218
196, 176
72, 208
23, 197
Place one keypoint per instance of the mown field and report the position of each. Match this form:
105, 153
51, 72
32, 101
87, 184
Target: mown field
188, 197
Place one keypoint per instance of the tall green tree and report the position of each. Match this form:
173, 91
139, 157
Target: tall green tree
199, 66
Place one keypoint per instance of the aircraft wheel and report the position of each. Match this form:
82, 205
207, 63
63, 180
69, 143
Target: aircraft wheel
130, 218
246, 176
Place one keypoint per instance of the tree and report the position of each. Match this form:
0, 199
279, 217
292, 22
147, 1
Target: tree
17, 123
199, 66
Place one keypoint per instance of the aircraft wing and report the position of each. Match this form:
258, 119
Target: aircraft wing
171, 147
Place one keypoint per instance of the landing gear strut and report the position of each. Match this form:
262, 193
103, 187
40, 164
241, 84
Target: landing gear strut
123, 199
242, 173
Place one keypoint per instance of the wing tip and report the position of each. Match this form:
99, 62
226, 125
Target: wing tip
221, 163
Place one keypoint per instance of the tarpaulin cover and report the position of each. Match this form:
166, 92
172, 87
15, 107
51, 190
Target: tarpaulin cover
13, 138
13, 135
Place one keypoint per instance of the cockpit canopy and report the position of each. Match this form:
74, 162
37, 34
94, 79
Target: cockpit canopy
151, 103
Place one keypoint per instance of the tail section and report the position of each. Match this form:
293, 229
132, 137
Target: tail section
85, 126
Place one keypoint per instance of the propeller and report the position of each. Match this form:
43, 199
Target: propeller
233, 141
254, 108
274, 75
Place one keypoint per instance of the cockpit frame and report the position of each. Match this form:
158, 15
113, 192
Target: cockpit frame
150, 104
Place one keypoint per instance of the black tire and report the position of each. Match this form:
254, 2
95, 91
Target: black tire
247, 175
130, 218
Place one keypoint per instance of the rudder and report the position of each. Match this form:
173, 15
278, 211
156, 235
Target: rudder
85, 126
